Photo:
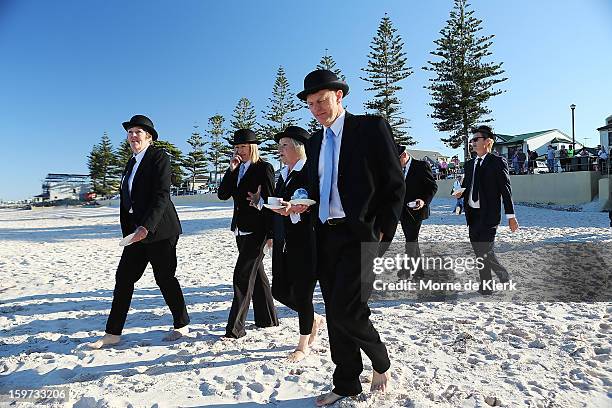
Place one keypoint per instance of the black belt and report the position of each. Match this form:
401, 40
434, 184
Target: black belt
335, 221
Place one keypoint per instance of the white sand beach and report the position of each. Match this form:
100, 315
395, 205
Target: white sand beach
57, 270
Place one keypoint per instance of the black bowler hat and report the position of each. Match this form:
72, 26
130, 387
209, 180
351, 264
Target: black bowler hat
244, 136
484, 130
293, 132
143, 122
322, 79
400, 148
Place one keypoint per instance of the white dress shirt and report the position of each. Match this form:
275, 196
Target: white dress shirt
284, 173
335, 204
130, 180
476, 204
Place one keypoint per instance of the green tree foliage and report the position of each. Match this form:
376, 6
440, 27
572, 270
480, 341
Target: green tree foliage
278, 113
386, 68
464, 81
104, 169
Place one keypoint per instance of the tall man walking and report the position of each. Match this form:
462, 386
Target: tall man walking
357, 182
487, 184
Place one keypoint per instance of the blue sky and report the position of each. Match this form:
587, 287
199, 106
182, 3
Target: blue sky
73, 69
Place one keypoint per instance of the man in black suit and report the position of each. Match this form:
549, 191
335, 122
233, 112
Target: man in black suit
247, 173
357, 182
487, 185
146, 211
420, 190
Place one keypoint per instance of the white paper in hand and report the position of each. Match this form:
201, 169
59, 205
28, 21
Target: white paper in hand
127, 240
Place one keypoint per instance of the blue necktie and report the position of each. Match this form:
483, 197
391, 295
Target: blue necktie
241, 172
326, 182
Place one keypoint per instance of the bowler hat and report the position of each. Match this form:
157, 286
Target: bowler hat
244, 136
484, 130
143, 122
322, 79
400, 148
293, 132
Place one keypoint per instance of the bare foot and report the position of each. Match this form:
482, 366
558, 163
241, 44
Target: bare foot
176, 334
107, 339
327, 399
316, 326
298, 355
379, 381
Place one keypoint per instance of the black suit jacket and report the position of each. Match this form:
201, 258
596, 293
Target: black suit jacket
494, 186
151, 204
370, 178
297, 240
246, 217
420, 183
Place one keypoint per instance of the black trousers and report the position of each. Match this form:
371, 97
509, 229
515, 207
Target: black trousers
134, 260
482, 238
348, 315
250, 282
411, 227
294, 288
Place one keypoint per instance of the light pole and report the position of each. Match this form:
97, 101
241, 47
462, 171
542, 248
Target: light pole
572, 107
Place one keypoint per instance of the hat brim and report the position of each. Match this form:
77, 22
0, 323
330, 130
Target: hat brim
335, 85
279, 136
152, 131
257, 142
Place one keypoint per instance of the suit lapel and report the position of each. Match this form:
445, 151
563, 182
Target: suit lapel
348, 145
316, 140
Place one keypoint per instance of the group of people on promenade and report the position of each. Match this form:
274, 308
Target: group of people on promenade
343, 185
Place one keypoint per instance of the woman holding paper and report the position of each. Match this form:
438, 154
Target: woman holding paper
151, 229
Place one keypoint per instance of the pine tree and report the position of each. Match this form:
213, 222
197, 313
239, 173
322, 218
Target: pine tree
176, 160
217, 148
327, 62
386, 68
195, 161
243, 117
464, 81
278, 112
124, 153
104, 170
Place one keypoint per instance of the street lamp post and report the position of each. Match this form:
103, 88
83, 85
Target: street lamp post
572, 107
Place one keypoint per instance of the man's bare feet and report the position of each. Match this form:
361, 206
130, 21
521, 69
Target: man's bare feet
317, 324
106, 340
176, 334
327, 399
379, 381
298, 355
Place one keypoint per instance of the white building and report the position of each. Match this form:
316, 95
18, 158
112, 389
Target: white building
506, 145
64, 187
605, 134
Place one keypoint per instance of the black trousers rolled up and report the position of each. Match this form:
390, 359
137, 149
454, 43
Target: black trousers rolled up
250, 282
134, 260
347, 311
482, 238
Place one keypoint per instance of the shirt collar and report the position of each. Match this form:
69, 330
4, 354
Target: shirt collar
298, 166
140, 155
481, 157
338, 125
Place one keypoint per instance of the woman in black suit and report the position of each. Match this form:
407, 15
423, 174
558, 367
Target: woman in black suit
293, 277
146, 211
247, 174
